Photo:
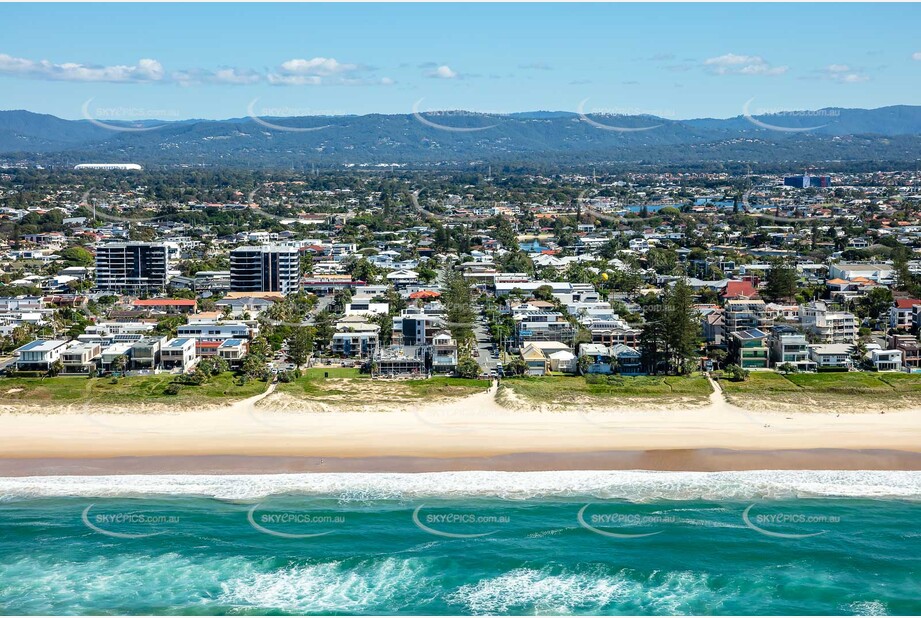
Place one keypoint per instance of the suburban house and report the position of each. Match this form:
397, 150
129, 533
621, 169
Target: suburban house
878, 273
902, 313
533, 326
911, 350
167, 305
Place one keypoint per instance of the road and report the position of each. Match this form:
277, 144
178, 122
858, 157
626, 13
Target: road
483, 344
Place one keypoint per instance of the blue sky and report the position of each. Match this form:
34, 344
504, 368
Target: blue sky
175, 61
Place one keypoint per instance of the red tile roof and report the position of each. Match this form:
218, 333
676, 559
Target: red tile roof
907, 303
739, 288
165, 302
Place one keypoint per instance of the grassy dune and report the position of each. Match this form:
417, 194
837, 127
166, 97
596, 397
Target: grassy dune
66, 390
839, 392
575, 391
347, 388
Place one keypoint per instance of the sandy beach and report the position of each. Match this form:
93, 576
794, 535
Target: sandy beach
470, 433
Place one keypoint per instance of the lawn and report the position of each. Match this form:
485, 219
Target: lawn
760, 382
126, 390
347, 388
576, 390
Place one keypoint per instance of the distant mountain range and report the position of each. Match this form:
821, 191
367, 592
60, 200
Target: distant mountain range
888, 134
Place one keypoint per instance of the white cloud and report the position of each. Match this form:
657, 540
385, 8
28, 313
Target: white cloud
916, 56
845, 74
316, 66
313, 72
293, 72
146, 70
734, 64
295, 80
443, 72
230, 76
236, 76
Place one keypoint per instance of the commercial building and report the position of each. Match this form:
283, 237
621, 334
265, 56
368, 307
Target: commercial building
804, 182
132, 267
267, 268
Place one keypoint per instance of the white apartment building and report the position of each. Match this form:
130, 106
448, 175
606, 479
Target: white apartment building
827, 325
266, 268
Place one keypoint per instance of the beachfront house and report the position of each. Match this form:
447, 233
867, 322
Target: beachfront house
827, 325
884, 360
358, 340
599, 356
748, 349
80, 357
39, 355
535, 360
629, 360
396, 360
791, 347
233, 351
178, 353
563, 361
832, 355
443, 353
145, 354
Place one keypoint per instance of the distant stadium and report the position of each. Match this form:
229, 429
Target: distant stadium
134, 167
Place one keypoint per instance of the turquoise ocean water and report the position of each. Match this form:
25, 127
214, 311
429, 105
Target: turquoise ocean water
464, 543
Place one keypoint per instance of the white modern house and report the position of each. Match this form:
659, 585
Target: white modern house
40, 354
178, 353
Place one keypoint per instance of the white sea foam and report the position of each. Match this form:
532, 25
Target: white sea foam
328, 587
670, 592
638, 486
